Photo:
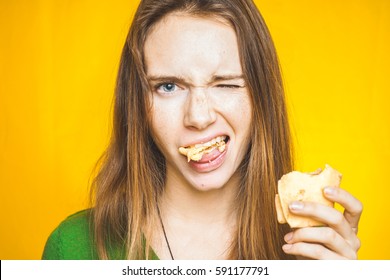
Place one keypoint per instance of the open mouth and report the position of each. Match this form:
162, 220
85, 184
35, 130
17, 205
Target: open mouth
197, 151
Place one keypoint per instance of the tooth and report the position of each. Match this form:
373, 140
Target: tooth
208, 144
196, 151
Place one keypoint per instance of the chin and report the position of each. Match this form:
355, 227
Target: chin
207, 186
205, 180
210, 181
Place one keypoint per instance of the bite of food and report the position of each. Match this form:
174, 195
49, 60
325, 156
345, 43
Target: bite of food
196, 152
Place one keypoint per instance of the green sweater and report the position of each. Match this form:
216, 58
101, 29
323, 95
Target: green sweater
72, 240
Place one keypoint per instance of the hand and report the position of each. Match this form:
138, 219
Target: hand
338, 240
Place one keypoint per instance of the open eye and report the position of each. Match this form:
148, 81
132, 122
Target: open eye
166, 88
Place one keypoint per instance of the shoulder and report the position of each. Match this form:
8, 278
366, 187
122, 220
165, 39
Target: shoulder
71, 239
78, 222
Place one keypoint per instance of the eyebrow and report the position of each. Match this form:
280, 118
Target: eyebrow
218, 78
180, 79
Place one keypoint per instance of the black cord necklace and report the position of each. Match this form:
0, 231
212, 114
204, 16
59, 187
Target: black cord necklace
165, 235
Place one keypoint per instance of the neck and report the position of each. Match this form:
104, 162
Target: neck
198, 224
186, 203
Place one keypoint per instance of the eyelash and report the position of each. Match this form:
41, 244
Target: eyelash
228, 86
159, 85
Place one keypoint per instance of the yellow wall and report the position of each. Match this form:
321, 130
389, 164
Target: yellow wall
58, 61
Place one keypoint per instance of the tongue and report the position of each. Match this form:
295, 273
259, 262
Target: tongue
210, 156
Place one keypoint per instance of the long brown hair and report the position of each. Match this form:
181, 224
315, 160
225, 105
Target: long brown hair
132, 173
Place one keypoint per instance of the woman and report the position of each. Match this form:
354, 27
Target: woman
200, 139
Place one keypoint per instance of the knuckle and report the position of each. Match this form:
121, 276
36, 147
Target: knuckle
318, 252
354, 256
338, 219
359, 207
355, 244
358, 244
330, 234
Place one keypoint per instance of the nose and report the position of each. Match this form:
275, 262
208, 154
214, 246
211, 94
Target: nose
199, 112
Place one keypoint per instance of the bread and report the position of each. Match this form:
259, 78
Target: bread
195, 152
297, 186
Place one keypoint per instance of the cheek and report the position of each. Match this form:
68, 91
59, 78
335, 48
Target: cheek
165, 122
238, 109
245, 120
159, 117
245, 112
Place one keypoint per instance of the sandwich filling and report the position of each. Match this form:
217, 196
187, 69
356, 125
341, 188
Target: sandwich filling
196, 152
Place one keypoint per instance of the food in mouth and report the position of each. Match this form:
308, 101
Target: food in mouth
195, 152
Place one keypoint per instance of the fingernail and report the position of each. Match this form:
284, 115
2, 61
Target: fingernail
296, 205
329, 191
286, 247
288, 236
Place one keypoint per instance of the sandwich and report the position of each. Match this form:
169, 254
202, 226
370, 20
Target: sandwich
297, 186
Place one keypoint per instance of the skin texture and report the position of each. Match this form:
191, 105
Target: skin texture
196, 107
192, 104
337, 241
204, 97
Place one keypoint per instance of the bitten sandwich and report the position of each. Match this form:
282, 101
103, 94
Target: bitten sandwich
297, 186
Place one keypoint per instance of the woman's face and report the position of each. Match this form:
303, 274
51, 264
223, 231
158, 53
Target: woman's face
199, 94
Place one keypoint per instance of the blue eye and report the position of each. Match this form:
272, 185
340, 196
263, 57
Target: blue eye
166, 88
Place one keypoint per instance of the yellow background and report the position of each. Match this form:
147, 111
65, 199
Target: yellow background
58, 62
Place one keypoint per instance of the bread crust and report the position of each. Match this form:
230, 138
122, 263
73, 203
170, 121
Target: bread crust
298, 186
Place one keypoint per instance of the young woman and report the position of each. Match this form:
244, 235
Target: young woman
200, 139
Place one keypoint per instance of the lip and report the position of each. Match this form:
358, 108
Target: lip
204, 139
204, 167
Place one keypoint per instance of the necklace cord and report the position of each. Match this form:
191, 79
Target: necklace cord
165, 235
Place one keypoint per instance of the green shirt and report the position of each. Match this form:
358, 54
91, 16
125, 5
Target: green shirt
72, 240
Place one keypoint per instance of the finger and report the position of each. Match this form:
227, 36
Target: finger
353, 207
309, 250
325, 236
327, 215
315, 172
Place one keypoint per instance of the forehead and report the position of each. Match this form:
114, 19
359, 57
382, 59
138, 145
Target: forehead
191, 46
